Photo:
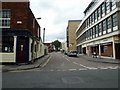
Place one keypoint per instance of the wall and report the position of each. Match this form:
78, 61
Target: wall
72, 26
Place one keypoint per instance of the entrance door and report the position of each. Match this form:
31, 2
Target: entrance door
117, 47
22, 50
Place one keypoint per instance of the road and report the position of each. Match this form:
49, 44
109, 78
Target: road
62, 71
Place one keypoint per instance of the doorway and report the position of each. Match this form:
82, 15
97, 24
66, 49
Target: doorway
22, 49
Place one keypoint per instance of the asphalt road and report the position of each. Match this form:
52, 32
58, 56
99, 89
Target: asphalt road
62, 71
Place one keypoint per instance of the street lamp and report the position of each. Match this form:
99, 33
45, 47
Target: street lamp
39, 18
43, 35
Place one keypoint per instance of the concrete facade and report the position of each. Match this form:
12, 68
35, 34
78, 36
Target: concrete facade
100, 30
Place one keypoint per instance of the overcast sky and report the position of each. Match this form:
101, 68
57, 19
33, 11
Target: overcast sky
55, 15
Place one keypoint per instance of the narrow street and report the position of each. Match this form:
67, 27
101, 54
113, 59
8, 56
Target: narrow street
62, 71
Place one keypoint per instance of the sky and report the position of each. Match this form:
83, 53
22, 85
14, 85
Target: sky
55, 15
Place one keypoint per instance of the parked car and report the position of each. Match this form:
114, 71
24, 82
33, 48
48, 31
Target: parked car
72, 53
66, 52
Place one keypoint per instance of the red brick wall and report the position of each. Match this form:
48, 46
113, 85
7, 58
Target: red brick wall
20, 11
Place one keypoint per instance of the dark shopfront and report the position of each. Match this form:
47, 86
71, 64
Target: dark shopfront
22, 44
117, 49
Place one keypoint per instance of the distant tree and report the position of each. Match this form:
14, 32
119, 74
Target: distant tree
57, 44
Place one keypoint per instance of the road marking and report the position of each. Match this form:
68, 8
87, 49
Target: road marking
72, 69
46, 62
92, 68
75, 63
67, 59
102, 67
113, 67
82, 69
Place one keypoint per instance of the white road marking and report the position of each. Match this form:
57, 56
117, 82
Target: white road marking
72, 69
82, 69
113, 67
92, 68
75, 63
46, 62
67, 59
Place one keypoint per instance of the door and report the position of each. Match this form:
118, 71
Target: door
117, 47
22, 50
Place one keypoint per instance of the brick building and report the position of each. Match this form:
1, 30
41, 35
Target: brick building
71, 35
50, 47
100, 29
21, 40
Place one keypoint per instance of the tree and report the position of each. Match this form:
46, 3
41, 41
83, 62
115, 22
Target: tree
57, 44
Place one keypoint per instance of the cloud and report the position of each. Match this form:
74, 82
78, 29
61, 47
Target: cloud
55, 15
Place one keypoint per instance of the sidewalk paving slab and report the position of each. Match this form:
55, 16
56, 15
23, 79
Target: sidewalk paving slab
36, 64
103, 60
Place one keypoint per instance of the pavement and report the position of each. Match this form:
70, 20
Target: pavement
13, 67
100, 59
41, 61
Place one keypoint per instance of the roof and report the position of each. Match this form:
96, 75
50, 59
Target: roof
74, 20
92, 2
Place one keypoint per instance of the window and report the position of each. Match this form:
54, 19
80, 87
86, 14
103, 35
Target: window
99, 29
88, 22
107, 6
99, 13
96, 31
7, 44
113, 3
109, 24
95, 15
104, 26
103, 9
5, 18
114, 21
92, 18
93, 32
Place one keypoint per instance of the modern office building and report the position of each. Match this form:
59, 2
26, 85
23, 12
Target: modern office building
71, 35
21, 40
100, 29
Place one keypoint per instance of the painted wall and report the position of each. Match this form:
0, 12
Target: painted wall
9, 57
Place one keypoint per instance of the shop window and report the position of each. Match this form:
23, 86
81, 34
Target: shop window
7, 44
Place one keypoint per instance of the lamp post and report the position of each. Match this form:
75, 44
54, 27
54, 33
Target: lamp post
43, 35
